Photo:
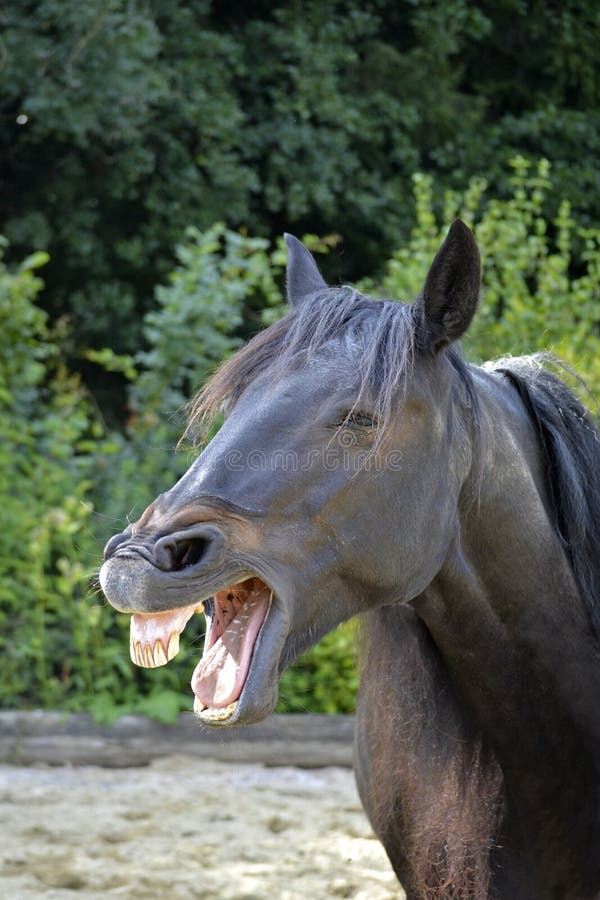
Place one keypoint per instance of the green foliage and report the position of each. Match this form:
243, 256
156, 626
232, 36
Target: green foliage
535, 296
43, 571
124, 122
197, 322
325, 678
222, 282
134, 106
60, 648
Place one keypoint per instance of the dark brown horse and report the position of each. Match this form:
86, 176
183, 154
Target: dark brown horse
364, 469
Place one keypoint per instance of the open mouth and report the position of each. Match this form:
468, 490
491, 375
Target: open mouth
235, 616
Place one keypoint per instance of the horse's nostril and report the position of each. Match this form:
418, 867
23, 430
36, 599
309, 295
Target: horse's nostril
175, 554
178, 551
188, 553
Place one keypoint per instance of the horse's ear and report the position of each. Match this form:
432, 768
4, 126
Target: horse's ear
449, 298
303, 276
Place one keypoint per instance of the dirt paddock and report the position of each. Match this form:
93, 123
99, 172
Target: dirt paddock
186, 827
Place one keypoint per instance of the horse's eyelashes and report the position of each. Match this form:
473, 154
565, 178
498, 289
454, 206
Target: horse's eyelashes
363, 420
357, 419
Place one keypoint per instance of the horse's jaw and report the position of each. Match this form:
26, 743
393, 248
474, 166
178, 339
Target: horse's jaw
236, 678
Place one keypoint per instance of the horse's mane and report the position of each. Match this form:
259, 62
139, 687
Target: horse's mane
384, 332
570, 445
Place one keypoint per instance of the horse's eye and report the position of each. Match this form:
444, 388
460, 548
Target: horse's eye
357, 419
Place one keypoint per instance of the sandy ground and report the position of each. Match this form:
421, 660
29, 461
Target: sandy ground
187, 828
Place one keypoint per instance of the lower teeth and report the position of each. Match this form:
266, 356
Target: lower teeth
212, 713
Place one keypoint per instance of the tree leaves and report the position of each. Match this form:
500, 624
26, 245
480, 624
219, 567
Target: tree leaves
124, 123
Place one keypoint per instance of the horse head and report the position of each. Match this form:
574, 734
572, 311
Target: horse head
330, 489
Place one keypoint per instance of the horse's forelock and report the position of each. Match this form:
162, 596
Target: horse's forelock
381, 334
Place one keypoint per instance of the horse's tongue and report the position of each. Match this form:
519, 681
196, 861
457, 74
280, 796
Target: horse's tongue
220, 675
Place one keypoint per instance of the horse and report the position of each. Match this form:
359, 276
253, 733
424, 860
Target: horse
363, 468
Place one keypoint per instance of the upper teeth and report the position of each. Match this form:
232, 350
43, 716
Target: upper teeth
151, 657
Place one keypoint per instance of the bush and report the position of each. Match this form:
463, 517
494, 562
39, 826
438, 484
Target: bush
325, 678
536, 294
48, 625
59, 647
200, 314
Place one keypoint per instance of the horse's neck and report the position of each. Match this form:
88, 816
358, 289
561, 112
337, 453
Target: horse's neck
506, 615
507, 607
